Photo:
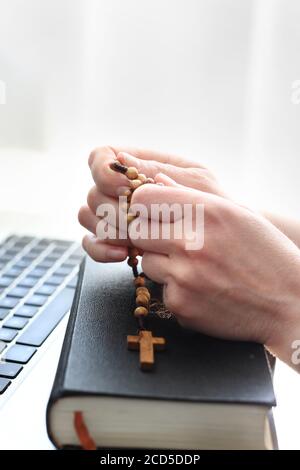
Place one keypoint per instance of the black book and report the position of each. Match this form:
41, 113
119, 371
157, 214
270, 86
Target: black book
203, 393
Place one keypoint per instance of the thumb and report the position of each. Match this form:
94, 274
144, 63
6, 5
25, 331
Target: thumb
150, 168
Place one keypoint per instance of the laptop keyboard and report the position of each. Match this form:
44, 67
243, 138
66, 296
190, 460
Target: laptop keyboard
38, 278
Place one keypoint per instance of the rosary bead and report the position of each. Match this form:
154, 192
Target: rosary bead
150, 180
131, 173
142, 300
139, 281
142, 178
130, 218
132, 262
133, 252
143, 290
140, 312
117, 166
134, 184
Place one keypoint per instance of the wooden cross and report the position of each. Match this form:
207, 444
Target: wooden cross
146, 343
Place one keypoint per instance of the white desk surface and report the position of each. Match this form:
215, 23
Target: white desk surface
50, 210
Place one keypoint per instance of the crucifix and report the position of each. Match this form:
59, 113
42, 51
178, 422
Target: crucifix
146, 344
144, 341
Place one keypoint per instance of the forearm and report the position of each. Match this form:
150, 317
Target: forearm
290, 227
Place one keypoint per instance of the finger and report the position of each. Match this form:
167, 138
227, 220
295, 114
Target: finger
152, 194
166, 181
150, 167
88, 219
110, 234
156, 267
91, 222
107, 180
193, 177
101, 251
161, 157
95, 198
153, 236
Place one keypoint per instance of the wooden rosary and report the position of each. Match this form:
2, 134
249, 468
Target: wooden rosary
144, 341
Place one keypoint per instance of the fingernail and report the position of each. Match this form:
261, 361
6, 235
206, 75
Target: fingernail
116, 253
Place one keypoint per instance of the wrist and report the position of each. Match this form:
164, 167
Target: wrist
284, 342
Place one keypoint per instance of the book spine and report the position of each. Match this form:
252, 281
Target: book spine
58, 387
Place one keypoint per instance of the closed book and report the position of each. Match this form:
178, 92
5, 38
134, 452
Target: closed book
203, 392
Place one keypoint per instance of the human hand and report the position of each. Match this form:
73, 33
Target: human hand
244, 284
109, 185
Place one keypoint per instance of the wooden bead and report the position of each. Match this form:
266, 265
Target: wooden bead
142, 178
140, 312
132, 262
133, 252
130, 218
134, 184
142, 300
139, 281
144, 291
150, 180
132, 173
117, 166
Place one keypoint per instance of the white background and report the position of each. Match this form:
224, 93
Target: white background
209, 79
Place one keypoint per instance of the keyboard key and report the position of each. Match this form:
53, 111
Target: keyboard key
26, 239
54, 280
7, 335
65, 243
12, 252
63, 271
2, 346
29, 257
58, 251
13, 272
36, 300
15, 322
20, 245
9, 370
3, 313
22, 263
8, 302
19, 292
46, 289
46, 264
4, 384
26, 311
37, 250
45, 242
20, 354
5, 281
37, 272
28, 281
73, 282
41, 328
54, 257
5, 259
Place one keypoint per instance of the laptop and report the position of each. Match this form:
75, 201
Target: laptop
38, 278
